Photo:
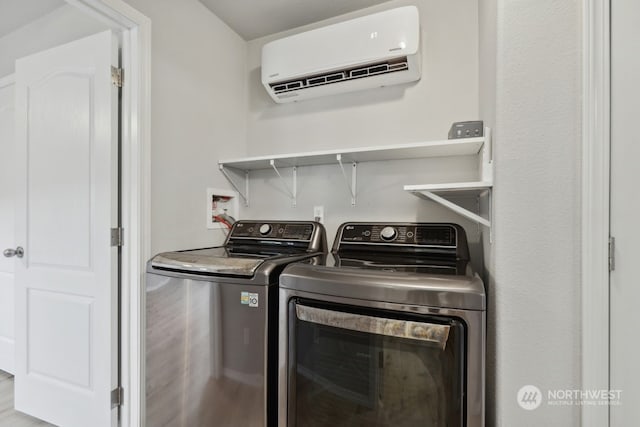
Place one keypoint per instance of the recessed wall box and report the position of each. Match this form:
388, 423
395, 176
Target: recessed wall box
221, 204
381, 49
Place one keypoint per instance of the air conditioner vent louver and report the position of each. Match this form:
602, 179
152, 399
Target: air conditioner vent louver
368, 70
368, 52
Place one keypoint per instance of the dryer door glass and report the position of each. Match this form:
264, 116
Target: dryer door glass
369, 367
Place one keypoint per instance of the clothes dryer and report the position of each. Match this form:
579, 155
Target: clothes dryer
390, 332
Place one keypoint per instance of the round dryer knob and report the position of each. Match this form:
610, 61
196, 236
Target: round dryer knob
265, 229
388, 233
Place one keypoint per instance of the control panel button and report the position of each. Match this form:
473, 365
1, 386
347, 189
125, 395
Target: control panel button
388, 233
265, 229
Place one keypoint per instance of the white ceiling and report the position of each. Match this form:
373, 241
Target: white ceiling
249, 18
254, 19
16, 13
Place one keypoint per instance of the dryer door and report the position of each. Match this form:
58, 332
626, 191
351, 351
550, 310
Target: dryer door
358, 366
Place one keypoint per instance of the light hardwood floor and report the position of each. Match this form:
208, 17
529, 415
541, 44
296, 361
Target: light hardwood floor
9, 417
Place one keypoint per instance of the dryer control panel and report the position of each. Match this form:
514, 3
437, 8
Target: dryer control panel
400, 234
402, 239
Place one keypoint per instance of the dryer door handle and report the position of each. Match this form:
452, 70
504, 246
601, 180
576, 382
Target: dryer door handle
432, 333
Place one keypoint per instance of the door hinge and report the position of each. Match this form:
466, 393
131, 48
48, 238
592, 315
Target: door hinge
117, 236
612, 253
117, 76
117, 397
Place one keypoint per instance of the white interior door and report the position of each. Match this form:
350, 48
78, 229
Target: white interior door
66, 205
7, 188
625, 211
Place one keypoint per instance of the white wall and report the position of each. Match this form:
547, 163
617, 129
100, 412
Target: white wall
198, 116
534, 98
447, 92
529, 89
63, 25
208, 104
198, 106
529, 93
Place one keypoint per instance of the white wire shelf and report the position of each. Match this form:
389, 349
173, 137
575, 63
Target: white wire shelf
441, 148
451, 147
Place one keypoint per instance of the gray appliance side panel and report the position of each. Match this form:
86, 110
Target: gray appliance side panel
205, 352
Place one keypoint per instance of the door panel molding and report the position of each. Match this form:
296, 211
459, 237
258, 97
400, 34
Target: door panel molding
57, 216
58, 317
595, 206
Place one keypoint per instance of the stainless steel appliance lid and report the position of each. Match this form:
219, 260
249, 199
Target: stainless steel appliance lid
460, 292
248, 246
209, 261
239, 261
407, 264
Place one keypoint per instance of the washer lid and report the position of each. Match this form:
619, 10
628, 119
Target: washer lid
215, 261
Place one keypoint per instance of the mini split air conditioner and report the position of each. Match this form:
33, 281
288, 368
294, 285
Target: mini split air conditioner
376, 50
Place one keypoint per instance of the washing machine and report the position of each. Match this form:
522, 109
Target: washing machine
390, 332
211, 325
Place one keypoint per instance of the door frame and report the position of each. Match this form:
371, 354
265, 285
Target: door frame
596, 145
135, 193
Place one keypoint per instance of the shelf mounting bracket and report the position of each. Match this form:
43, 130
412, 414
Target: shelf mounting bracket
291, 190
352, 186
454, 207
483, 188
245, 194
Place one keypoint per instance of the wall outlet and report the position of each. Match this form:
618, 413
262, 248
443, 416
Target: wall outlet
220, 201
318, 214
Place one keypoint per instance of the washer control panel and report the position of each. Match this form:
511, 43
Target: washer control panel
272, 230
400, 234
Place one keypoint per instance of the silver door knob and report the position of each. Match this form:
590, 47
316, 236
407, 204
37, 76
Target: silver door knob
19, 252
